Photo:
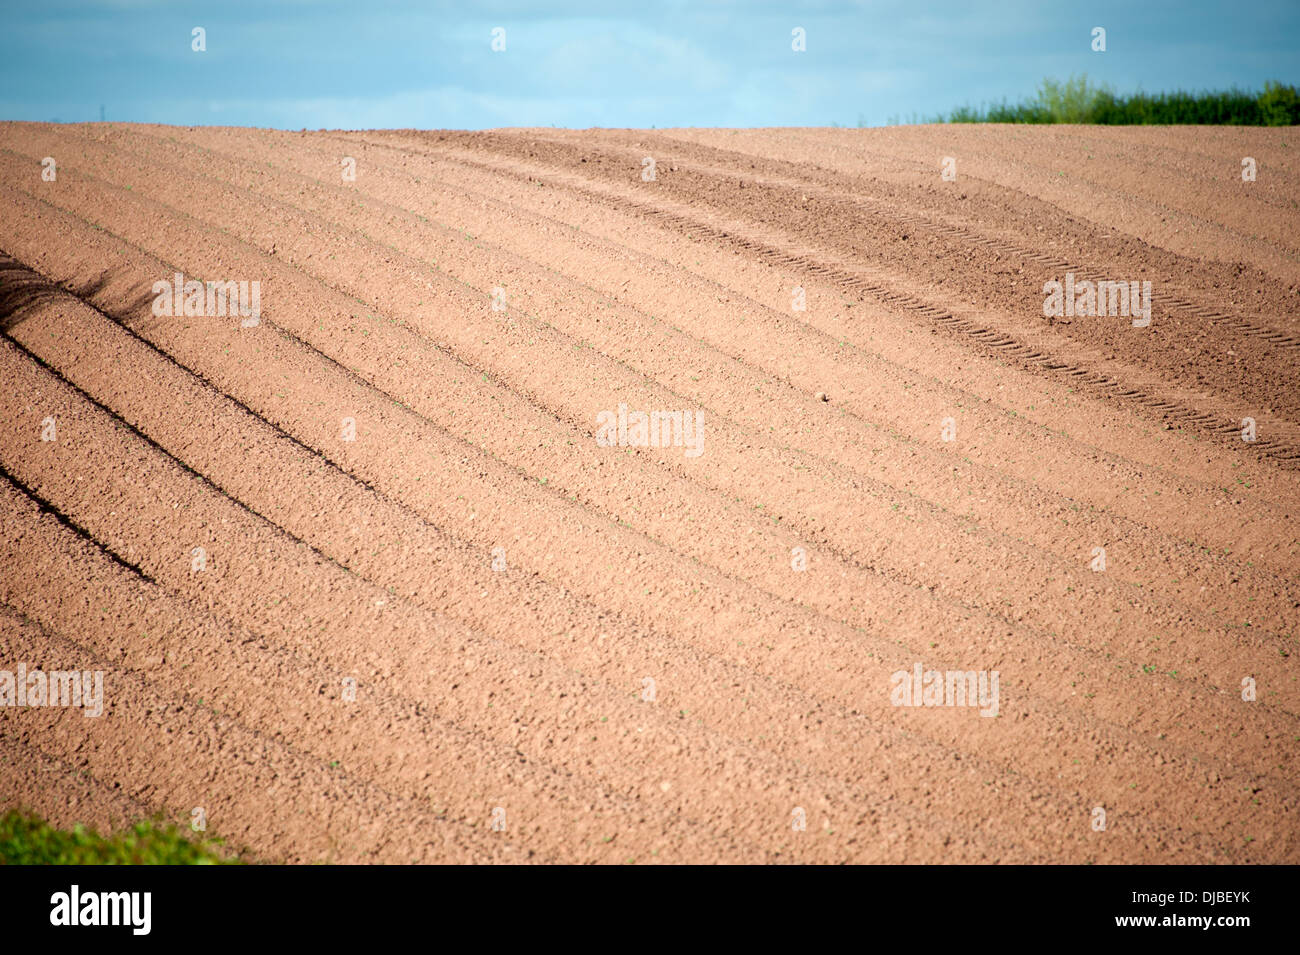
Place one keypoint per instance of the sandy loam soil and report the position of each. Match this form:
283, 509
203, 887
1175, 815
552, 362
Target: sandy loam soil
435, 619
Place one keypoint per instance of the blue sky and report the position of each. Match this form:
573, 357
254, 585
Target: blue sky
622, 63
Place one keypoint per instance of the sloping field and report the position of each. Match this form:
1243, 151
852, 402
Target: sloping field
378, 578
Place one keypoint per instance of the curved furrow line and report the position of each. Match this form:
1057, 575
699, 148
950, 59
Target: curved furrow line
479, 427
1054, 360
838, 552
1006, 619
419, 221
710, 674
443, 254
984, 178
882, 288
833, 187
895, 756
1055, 721
475, 663
150, 713
1091, 450
1094, 450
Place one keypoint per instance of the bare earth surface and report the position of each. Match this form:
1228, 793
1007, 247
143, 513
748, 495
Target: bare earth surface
634, 654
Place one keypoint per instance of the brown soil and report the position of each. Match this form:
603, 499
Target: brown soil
524, 686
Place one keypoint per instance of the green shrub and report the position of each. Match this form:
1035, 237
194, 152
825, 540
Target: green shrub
28, 840
1076, 101
1278, 105
1068, 102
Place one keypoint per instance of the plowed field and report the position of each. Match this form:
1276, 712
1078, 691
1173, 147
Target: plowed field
389, 575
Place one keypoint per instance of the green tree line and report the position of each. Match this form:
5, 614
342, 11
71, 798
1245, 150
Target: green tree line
1077, 101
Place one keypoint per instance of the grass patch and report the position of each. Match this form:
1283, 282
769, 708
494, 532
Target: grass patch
26, 839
